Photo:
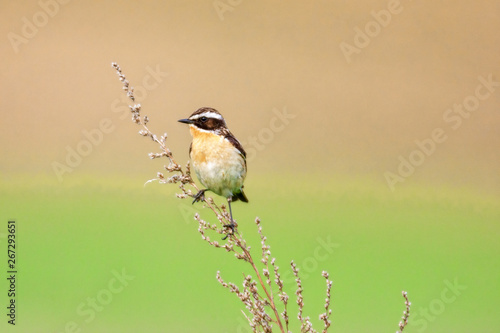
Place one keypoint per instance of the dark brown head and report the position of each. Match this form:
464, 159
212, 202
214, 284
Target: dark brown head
207, 119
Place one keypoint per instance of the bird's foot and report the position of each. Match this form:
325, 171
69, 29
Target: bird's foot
200, 196
229, 226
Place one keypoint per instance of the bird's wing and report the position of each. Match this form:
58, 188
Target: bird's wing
230, 137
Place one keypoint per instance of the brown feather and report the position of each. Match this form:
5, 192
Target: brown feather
230, 137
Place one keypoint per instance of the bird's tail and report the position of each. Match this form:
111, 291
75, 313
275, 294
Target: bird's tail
240, 196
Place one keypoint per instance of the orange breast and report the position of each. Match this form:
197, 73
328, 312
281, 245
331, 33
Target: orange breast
217, 163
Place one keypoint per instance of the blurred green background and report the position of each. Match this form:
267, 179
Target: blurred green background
99, 251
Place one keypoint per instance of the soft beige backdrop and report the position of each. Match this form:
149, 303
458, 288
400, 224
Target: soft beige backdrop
315, 178
352, 117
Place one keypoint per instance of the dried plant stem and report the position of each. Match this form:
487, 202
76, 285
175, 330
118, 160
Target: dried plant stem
269, 295
326, 315
406, 313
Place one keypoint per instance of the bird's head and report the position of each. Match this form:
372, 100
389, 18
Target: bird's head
206, 119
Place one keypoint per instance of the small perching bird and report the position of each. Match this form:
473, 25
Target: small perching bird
217, 157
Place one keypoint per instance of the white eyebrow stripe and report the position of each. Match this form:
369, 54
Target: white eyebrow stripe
208, 114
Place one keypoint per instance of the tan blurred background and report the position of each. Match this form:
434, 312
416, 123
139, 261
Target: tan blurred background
246, 59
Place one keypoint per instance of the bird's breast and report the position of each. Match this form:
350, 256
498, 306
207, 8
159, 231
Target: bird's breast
217, 163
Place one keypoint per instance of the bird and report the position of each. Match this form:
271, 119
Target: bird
217, 157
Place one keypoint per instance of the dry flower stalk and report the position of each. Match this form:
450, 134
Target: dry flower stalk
406, 313
325, 316
257, 293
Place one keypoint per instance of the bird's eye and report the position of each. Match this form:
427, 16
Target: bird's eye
203, 119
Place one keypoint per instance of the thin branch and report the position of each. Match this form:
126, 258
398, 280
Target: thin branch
326, 315
406, 313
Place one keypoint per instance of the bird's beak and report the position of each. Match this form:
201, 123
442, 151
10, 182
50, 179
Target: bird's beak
185, 121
